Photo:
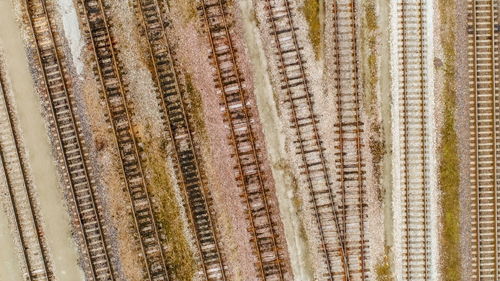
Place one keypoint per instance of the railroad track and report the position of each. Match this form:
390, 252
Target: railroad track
22, 198
483, 70
414, 141
349, 142
66, 125
179, 125
262, 212
340, 222
108, 72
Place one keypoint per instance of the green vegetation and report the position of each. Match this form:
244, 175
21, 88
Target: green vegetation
311, 10
383, 269
179, 256
377, 149
370, 80
188, 8
196, 108
369, 34
449, 174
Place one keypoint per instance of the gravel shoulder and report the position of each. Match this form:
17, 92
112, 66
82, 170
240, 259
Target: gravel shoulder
463, 133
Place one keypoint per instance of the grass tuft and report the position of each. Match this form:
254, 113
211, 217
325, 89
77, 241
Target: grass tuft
449, 173
195, 108
383, 269
311, 10
179, 255
370, 79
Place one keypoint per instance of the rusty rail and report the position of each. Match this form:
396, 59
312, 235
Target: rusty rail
349, 127
180, 128
308, 144
20, 190
261, 213
68, 133
483, 69
109, 73
415, 187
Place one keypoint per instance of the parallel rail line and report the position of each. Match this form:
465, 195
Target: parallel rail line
349, 127
173, 102
483, 87
262, 212
414, 170
343, 247
21, 195
68, 133
109, 73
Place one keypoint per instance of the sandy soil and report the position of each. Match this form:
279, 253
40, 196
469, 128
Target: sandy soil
72, 32
323, 103
52, 207
248, 71
299, 193
438, 82
384, 85
433, 108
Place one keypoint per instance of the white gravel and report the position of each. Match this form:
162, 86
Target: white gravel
72, 32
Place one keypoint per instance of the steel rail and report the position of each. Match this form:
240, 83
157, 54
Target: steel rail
476, 70
60, 139
251, 140
190, 141
423, 132
476, 113
359, 146
316, 140
123, 98
355, 83
494, 110
47, 271
406, 122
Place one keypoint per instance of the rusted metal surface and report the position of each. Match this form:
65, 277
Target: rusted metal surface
174, 100
262, 213
68, 133
20, 192
109, 73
